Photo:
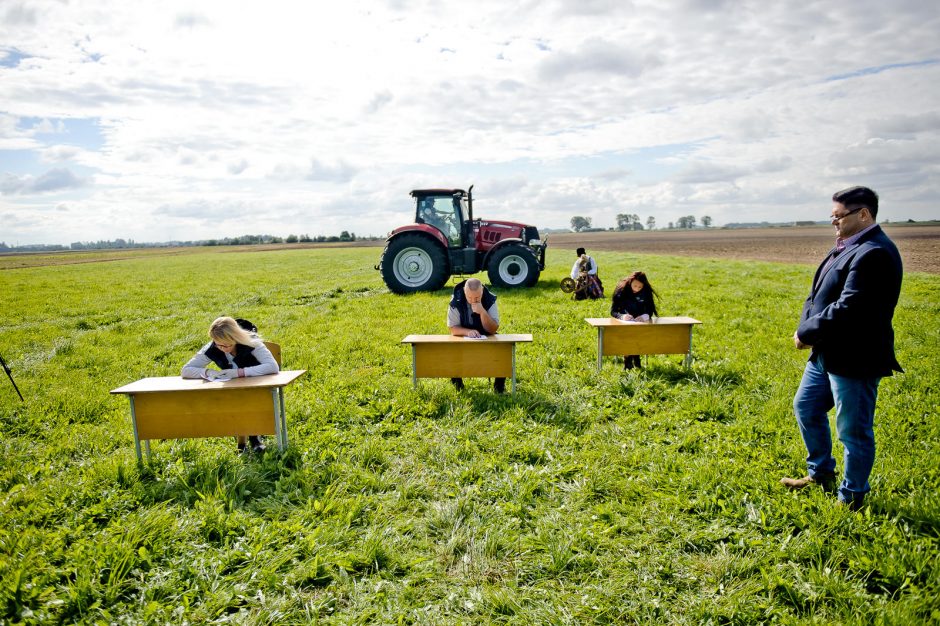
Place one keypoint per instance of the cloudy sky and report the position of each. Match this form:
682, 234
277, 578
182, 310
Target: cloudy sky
159, 121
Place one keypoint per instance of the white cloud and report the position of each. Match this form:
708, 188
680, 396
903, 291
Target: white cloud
55, 180
295, 118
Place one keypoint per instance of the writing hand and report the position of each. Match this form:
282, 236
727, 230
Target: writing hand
228, 374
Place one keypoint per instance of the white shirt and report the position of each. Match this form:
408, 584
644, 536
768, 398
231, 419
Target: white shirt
266, 363
576, 268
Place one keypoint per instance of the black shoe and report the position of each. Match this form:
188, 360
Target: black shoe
855, 505
628, 362
499, 385
256, 446
458, 383
242, 448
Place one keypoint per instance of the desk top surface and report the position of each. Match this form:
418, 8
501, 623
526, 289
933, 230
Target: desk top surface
452, 339
177, 383
662, 321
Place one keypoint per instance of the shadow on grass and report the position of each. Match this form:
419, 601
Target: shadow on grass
676, 374
184, 473
534, 405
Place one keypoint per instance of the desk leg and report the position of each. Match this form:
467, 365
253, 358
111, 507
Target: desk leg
600, 348
147, 450
414, 366
688, 356
277, 417
140, 459
280, 393
513, 369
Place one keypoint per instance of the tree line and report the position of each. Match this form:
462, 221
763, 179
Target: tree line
631, 221
243, 240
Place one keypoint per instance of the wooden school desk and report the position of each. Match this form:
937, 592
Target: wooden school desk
446, 356
171, 407
664, 335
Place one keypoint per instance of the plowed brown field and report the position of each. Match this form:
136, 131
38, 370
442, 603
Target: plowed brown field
919, 245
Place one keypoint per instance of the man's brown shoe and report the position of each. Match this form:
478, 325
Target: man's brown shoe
795, 484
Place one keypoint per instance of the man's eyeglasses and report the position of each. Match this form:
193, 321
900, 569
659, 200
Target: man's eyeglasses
836, 218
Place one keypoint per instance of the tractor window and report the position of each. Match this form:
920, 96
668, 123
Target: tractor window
442, 213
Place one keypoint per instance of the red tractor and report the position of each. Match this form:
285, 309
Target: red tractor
446, 240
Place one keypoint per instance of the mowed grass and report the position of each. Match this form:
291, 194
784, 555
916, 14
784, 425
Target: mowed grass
647, 496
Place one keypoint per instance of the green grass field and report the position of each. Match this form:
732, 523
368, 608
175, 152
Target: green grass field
648, 496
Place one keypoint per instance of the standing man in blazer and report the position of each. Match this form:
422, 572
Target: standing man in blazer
846, 323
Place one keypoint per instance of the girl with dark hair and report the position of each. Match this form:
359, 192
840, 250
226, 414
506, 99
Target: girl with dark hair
634, 301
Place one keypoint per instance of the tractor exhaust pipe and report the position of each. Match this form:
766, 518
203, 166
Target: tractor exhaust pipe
470, 202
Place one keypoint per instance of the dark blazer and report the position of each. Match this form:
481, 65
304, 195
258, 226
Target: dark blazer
847, 316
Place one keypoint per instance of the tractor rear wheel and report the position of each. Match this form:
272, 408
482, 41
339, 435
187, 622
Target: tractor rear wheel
513, 266
414, 263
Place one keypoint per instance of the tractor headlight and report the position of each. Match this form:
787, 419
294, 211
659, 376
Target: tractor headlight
535, 243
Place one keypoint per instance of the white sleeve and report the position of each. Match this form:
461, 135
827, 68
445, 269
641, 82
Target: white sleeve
593, 267
196, 365
266, 362
574, 270
453, 317
494, 313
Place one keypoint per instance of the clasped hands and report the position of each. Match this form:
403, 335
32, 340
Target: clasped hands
626, 317
222, 375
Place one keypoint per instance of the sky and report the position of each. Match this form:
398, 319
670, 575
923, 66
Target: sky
162, 121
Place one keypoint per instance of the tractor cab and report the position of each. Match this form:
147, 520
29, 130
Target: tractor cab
444, 210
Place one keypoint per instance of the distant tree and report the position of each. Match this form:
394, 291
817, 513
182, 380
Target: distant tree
628, 221
686, 221
579, 224
671, 226
706, 221
344, 236
291, 238
650, 223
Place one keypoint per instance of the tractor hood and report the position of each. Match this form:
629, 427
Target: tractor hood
515, 226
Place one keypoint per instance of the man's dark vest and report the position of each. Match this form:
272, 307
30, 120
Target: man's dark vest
243, 356
469, 319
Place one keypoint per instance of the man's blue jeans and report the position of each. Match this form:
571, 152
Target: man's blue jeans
854, 401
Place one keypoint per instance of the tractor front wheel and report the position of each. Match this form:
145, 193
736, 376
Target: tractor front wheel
414, 263
513, 266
